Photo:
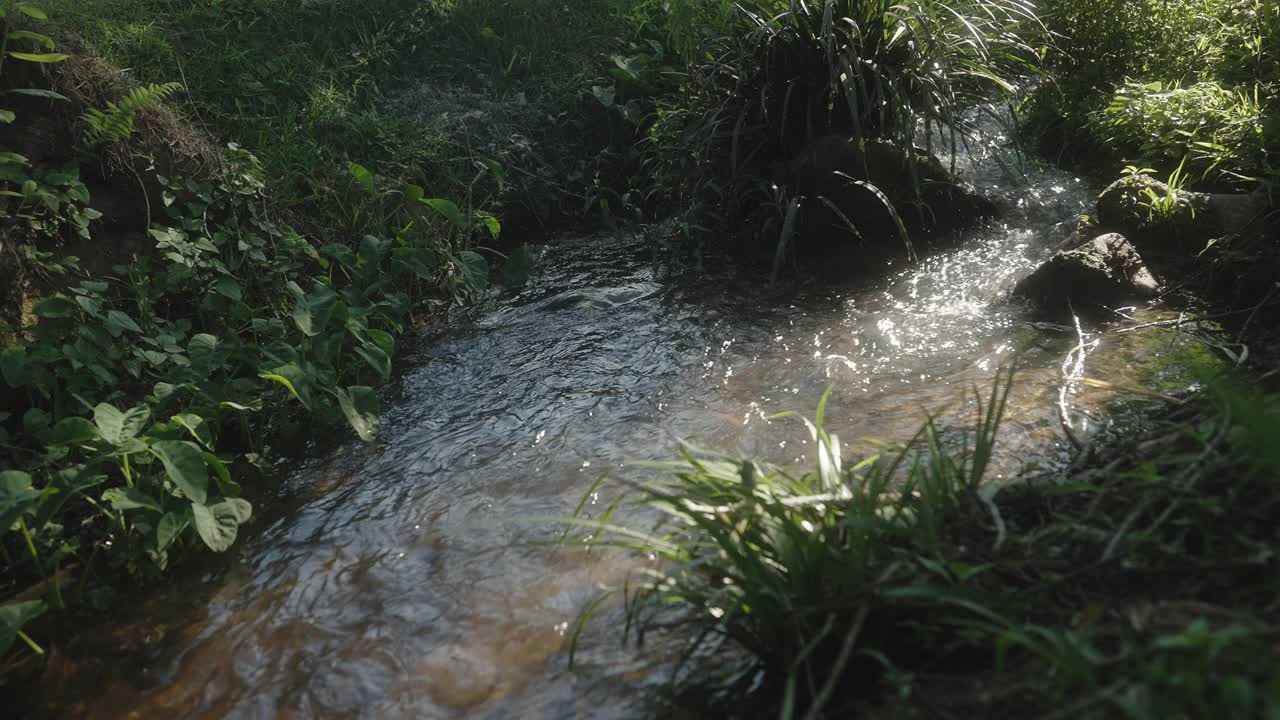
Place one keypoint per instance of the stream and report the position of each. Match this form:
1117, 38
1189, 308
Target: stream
404, 579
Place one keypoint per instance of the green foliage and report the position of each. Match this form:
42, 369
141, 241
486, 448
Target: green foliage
12, 13
764, 79
904, 585
1156, 81
1218, 130
115, 123
140, 394
42, 204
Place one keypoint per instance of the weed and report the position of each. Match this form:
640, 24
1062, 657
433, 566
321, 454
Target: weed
904, 586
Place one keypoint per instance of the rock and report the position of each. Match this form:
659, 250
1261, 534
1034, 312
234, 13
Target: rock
1106, 270
925, 194
1184, 225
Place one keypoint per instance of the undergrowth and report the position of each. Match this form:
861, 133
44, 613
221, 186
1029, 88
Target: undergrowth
139, 396
906, 585
1153, 82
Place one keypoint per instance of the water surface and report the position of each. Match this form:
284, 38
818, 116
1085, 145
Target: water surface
398, 580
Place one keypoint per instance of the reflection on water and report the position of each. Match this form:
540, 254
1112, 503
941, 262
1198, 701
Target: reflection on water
404, 579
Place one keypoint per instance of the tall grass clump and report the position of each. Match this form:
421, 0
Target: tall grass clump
769, 77
904, 585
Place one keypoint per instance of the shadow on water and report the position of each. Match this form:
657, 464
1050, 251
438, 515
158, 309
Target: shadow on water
399, 580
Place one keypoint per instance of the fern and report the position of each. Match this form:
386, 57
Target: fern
115, 123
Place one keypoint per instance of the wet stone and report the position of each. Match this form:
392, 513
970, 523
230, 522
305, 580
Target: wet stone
1106, 270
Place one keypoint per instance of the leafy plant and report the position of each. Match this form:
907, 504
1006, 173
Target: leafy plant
11, 12
1167, 205
115, 123
1205, 127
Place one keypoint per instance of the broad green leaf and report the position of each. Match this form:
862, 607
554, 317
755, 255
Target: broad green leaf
360, 405
492, 225
13, 158
228, 287
604, 95
38, 57
127, 498
185, 467
7, 116
13, 617
56, 306
285, 375
384, 340
311, 311
117, 427
413, 193
35, 37
117, 322
226, 486
203, 351
32, 11
448, 209
13, 367
362, 175
72, 431
170, 528
40, 93
66, 484
17, 497
475, 270
376, 358
195, 425
218, 524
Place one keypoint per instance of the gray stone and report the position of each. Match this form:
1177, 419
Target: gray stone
1106, 270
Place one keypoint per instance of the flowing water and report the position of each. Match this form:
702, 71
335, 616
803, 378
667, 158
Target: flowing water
400, 580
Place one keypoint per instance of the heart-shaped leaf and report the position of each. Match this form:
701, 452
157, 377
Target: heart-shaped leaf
17, 497
72, 431
475, 270
185, 467
117, 427
360, 405
311, 311
448, 209
13, 617
376, 358
127, 498
362, 176
218, 524
170, 528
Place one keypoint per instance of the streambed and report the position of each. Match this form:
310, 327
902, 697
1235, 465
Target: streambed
405, 579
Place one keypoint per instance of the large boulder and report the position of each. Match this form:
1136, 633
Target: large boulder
834, 173
1167, 223
1106, 270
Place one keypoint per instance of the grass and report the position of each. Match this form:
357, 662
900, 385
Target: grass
903, 585
764, 79
309, 87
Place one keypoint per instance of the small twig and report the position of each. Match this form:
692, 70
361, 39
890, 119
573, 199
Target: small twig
1075, 361
1183, 320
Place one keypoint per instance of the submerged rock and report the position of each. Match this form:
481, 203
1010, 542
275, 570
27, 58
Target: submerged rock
1103, 271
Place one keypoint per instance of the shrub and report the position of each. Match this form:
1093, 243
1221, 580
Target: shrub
766, 80
1218, 129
